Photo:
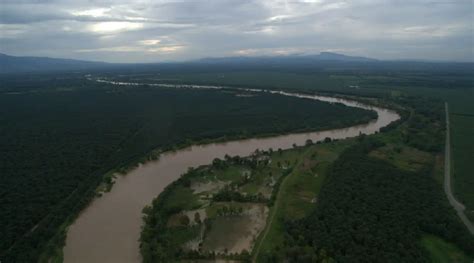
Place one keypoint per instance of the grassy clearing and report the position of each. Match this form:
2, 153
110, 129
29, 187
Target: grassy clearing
301, 188
182, 198
443, 252
212, 210
298, 192
230, 174
403, 157
180, 235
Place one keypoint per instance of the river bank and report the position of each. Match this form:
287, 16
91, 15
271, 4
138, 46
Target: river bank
108, 229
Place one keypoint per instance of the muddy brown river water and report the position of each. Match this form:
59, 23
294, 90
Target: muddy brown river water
109, 228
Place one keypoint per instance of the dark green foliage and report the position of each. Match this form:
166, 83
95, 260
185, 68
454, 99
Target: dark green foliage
370, 211
424, 130
59, 135
228, 195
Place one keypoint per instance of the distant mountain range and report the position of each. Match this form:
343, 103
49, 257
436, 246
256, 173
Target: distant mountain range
323, 56
13, 64
324, 60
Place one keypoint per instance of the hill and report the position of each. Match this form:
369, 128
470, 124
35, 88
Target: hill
322, 57
13, 64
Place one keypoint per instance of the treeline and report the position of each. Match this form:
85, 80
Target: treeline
371, 211
425, 129
229, 195
59, 137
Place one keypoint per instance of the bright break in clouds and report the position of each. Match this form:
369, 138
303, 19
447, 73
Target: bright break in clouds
152, 31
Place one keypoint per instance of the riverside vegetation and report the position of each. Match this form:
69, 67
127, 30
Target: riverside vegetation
61, 134
218, 211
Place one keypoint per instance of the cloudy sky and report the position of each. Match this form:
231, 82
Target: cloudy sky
163, 30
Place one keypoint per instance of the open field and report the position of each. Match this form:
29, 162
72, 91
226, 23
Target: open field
406, 158
442, 251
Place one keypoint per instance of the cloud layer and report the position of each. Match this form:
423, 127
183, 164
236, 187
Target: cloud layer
151, 31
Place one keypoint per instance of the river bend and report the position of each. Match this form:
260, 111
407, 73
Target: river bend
109, 228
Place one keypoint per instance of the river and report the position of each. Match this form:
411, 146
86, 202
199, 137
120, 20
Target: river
109, 228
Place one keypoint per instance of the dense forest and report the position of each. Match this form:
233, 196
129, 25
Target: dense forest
60, 135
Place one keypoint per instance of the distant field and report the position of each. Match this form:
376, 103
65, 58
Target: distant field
442, 251
357, 82
261, 79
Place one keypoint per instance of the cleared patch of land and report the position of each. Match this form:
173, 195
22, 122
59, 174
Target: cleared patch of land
403, 157
299, 191
235, 234
443, 252
235, 207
